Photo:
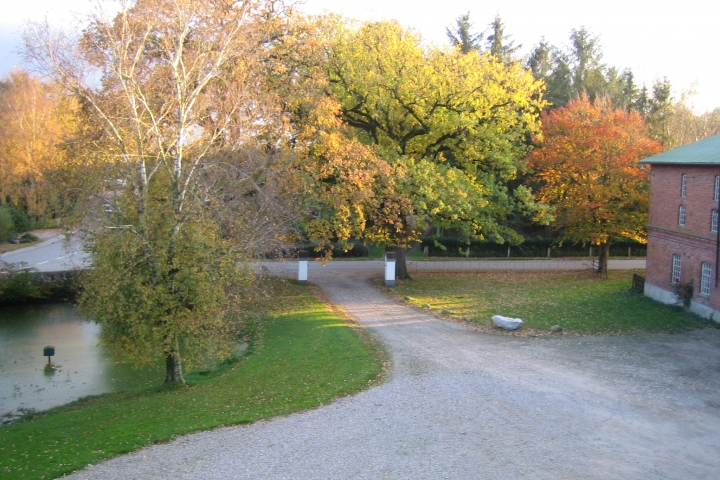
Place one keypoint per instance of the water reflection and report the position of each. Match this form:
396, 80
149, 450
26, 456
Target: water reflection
80, 367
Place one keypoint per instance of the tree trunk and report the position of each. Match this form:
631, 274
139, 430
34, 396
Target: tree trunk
401, 272
603, 259
173, 368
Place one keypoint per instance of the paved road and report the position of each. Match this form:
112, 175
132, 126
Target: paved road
53, 255
58, 254
461, 404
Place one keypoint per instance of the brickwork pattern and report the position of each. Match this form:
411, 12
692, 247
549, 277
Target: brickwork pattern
695, 243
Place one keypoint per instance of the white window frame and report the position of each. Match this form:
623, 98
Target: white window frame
705, 274
682, 214
676, 269
716, 197
714, 221
683, 185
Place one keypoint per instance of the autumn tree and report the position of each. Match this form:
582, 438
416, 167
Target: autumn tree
671, 120
35, 119
451, 128
687, 127
174, 87
587, 168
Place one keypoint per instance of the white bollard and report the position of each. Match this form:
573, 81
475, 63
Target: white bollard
390, 269
303, 267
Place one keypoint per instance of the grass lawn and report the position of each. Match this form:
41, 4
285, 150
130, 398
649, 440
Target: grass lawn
303, 355
581, 303
6, 247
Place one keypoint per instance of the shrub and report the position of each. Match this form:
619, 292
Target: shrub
18, 284
22, 222
28, 238
684, 294
530, 247
6, 224
44, 223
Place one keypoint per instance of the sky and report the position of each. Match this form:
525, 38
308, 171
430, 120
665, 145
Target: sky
655, 39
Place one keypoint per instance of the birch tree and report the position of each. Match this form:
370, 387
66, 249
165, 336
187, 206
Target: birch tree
172, 87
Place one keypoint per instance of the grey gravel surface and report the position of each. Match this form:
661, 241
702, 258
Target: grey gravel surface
461, 404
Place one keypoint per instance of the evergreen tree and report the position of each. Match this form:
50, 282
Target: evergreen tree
585, 55
498, 44
660, 112
549, 64
463, 36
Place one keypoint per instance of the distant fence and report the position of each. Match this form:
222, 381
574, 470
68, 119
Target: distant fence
276, 271
504, 265
532, 247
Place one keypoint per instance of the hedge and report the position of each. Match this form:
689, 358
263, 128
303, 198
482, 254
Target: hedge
531, 247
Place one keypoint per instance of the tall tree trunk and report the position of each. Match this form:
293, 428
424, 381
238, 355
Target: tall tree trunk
603, 259
173, 368
401, 272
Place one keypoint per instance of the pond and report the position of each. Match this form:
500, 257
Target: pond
80, 367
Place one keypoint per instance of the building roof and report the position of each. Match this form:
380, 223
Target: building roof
702, 152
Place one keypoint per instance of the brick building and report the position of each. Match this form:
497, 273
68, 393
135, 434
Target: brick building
683, 227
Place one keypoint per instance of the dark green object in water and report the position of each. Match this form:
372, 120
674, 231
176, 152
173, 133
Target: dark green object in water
49, 351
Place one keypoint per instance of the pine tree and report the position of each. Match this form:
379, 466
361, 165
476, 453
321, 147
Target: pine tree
498, 44
463, 36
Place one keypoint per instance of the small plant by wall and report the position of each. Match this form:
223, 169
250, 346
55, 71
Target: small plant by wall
684, 294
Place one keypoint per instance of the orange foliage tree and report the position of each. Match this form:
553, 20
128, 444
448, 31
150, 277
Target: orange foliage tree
587, 168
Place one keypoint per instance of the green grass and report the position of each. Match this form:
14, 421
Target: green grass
304, 355
6, 247
581, 303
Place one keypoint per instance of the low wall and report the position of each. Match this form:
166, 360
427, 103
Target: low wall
669, 298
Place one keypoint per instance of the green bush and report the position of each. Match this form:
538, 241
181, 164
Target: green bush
530, 247
22, 222
44, 223
28, 238
6, 224
18, 284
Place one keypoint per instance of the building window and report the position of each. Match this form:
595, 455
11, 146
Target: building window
705, 279
676, 269
714, 221
717, 188
683, 186
681, 217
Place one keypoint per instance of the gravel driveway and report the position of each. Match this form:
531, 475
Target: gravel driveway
461, 404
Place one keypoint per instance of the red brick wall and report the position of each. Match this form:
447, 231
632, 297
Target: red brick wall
695, 243
665, 199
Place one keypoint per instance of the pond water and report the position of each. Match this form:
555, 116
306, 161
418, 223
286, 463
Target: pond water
81, 366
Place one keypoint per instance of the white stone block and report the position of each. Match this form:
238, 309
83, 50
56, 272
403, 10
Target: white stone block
507, 323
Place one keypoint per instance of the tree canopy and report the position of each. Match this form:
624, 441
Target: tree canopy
451, 129
179, 112
587, 168
35, 119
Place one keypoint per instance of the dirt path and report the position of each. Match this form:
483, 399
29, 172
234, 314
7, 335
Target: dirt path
461, 404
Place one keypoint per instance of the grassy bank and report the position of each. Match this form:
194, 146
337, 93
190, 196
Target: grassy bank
582, 303
303, 356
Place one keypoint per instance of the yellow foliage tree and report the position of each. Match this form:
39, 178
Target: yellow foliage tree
35, 119
444, 133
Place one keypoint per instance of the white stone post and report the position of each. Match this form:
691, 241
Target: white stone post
390, 269
303, 267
